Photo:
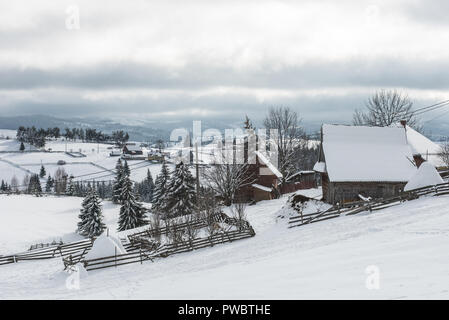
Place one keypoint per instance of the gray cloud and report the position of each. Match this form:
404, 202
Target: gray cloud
202, 61
389, 72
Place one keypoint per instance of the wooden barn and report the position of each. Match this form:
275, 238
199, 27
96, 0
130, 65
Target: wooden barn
266, 178
358, 161
132, 150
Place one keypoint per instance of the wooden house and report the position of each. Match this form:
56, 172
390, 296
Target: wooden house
132, 150
265, 178
358, 161
304, 179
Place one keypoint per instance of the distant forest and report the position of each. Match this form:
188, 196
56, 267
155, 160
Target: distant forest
37, 137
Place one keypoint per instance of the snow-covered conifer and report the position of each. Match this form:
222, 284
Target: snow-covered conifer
181, 195
116, 188
132, 213
160, 188
91, 216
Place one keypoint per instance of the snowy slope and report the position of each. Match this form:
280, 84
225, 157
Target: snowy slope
408, 243
27, 220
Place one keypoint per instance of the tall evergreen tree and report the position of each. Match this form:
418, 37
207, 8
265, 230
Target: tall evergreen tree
22, 147
34, 185
132, 213
91, 216
4, 186
49, 185
181, 195
70, 187
117, 187
160, 188
42, 172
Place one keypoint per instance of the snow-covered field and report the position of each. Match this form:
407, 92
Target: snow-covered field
407, 244
97, 164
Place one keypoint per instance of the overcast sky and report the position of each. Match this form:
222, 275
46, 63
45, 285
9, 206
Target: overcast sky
218, 59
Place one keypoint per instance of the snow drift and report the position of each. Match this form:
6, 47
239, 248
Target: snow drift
105, 246
426, 175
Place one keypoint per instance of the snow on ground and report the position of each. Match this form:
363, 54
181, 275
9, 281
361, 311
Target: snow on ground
28, 220
97, 165
407, 243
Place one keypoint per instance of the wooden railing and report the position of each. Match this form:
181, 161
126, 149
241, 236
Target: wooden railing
356, 207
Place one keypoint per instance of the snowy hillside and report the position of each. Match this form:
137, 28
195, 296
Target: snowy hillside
406, 243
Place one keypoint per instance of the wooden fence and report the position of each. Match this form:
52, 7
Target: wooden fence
137, 245
356, 207
163, 251
49, 252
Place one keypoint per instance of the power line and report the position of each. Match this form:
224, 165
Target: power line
432, 107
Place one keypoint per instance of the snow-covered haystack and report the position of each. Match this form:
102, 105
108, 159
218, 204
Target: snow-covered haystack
105, 246
299, 203
426, 175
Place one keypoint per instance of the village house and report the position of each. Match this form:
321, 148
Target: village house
265, 180
357, 161
132, 150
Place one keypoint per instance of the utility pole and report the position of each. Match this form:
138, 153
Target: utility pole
197, 175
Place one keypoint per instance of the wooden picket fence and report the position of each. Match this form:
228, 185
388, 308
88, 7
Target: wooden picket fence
139, 255
356, 207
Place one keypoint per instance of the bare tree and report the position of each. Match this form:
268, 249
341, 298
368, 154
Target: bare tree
291, 137
26, 182
225, 178
60, 181
155, 225
384, 108
14, 184
444, 155
191, 230
239, 213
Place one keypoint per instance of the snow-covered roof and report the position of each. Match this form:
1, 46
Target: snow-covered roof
266, 162
299, 173
319, 167
367, 154
133, 147
425, 176
420, 144
258, 186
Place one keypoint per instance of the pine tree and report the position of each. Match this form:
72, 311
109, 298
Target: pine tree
149, 186
22, 147
70, 191
42, 173
3, 186
34, 186
181, 195
83, 211
49, 184
160, 188
116, 189
91, 216
145, 188
132, 213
